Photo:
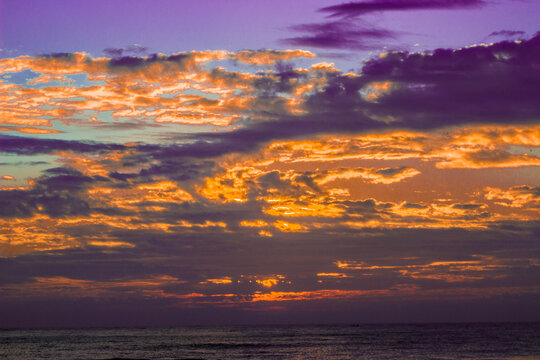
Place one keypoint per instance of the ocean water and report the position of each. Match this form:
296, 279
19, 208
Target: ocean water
442, 341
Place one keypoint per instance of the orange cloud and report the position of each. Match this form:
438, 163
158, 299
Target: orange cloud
148, 88
333, 275
37, 233
288, 226
60, 286
110, 244
266, 281
165, 191
374, 90
525, 197
447, 271
43, 79
460, 147
381, 176
256, 223
269, 57
29, 130
218, 281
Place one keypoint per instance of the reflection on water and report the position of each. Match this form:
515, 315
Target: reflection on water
450, 341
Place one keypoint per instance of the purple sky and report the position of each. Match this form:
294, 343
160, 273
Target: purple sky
37, 27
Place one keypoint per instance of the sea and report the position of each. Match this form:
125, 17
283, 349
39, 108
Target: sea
518, 341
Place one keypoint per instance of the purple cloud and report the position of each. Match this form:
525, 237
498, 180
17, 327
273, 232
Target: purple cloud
30, 146
507, 33
337, 35
55, 194
353, 9
344, 34
494, 84
136, 50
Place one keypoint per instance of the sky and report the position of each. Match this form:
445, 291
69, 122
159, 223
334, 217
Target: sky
168, 163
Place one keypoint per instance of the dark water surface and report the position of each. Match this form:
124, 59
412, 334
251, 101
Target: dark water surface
450, 341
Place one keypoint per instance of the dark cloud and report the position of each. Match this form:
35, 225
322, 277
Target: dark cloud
493, 84
195, 257
59, 55
64, 179
127, 125
507, 33
30, 146
56, 194
389, 172
491, 156
530, 190
24, 163
338, 35
113, 52
349, 32
413, 206
251, 137
186, 255
357, 8
136, 50
178, 169
136, 61
284, 80
467, 206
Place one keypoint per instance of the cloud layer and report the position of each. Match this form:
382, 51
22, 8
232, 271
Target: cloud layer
172, 182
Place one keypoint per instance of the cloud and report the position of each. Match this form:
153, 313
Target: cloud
55, 194
482, 84
29, 130
148, 90
315, 168
507, 33
135, 49
398, 90
436, 269
349, 32
338, 35
432, 90
522, 196
270, 57
29, 146
383, 176
445, 87
358, 8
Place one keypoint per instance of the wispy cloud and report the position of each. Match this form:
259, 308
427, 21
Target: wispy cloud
358, 8
348, 28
